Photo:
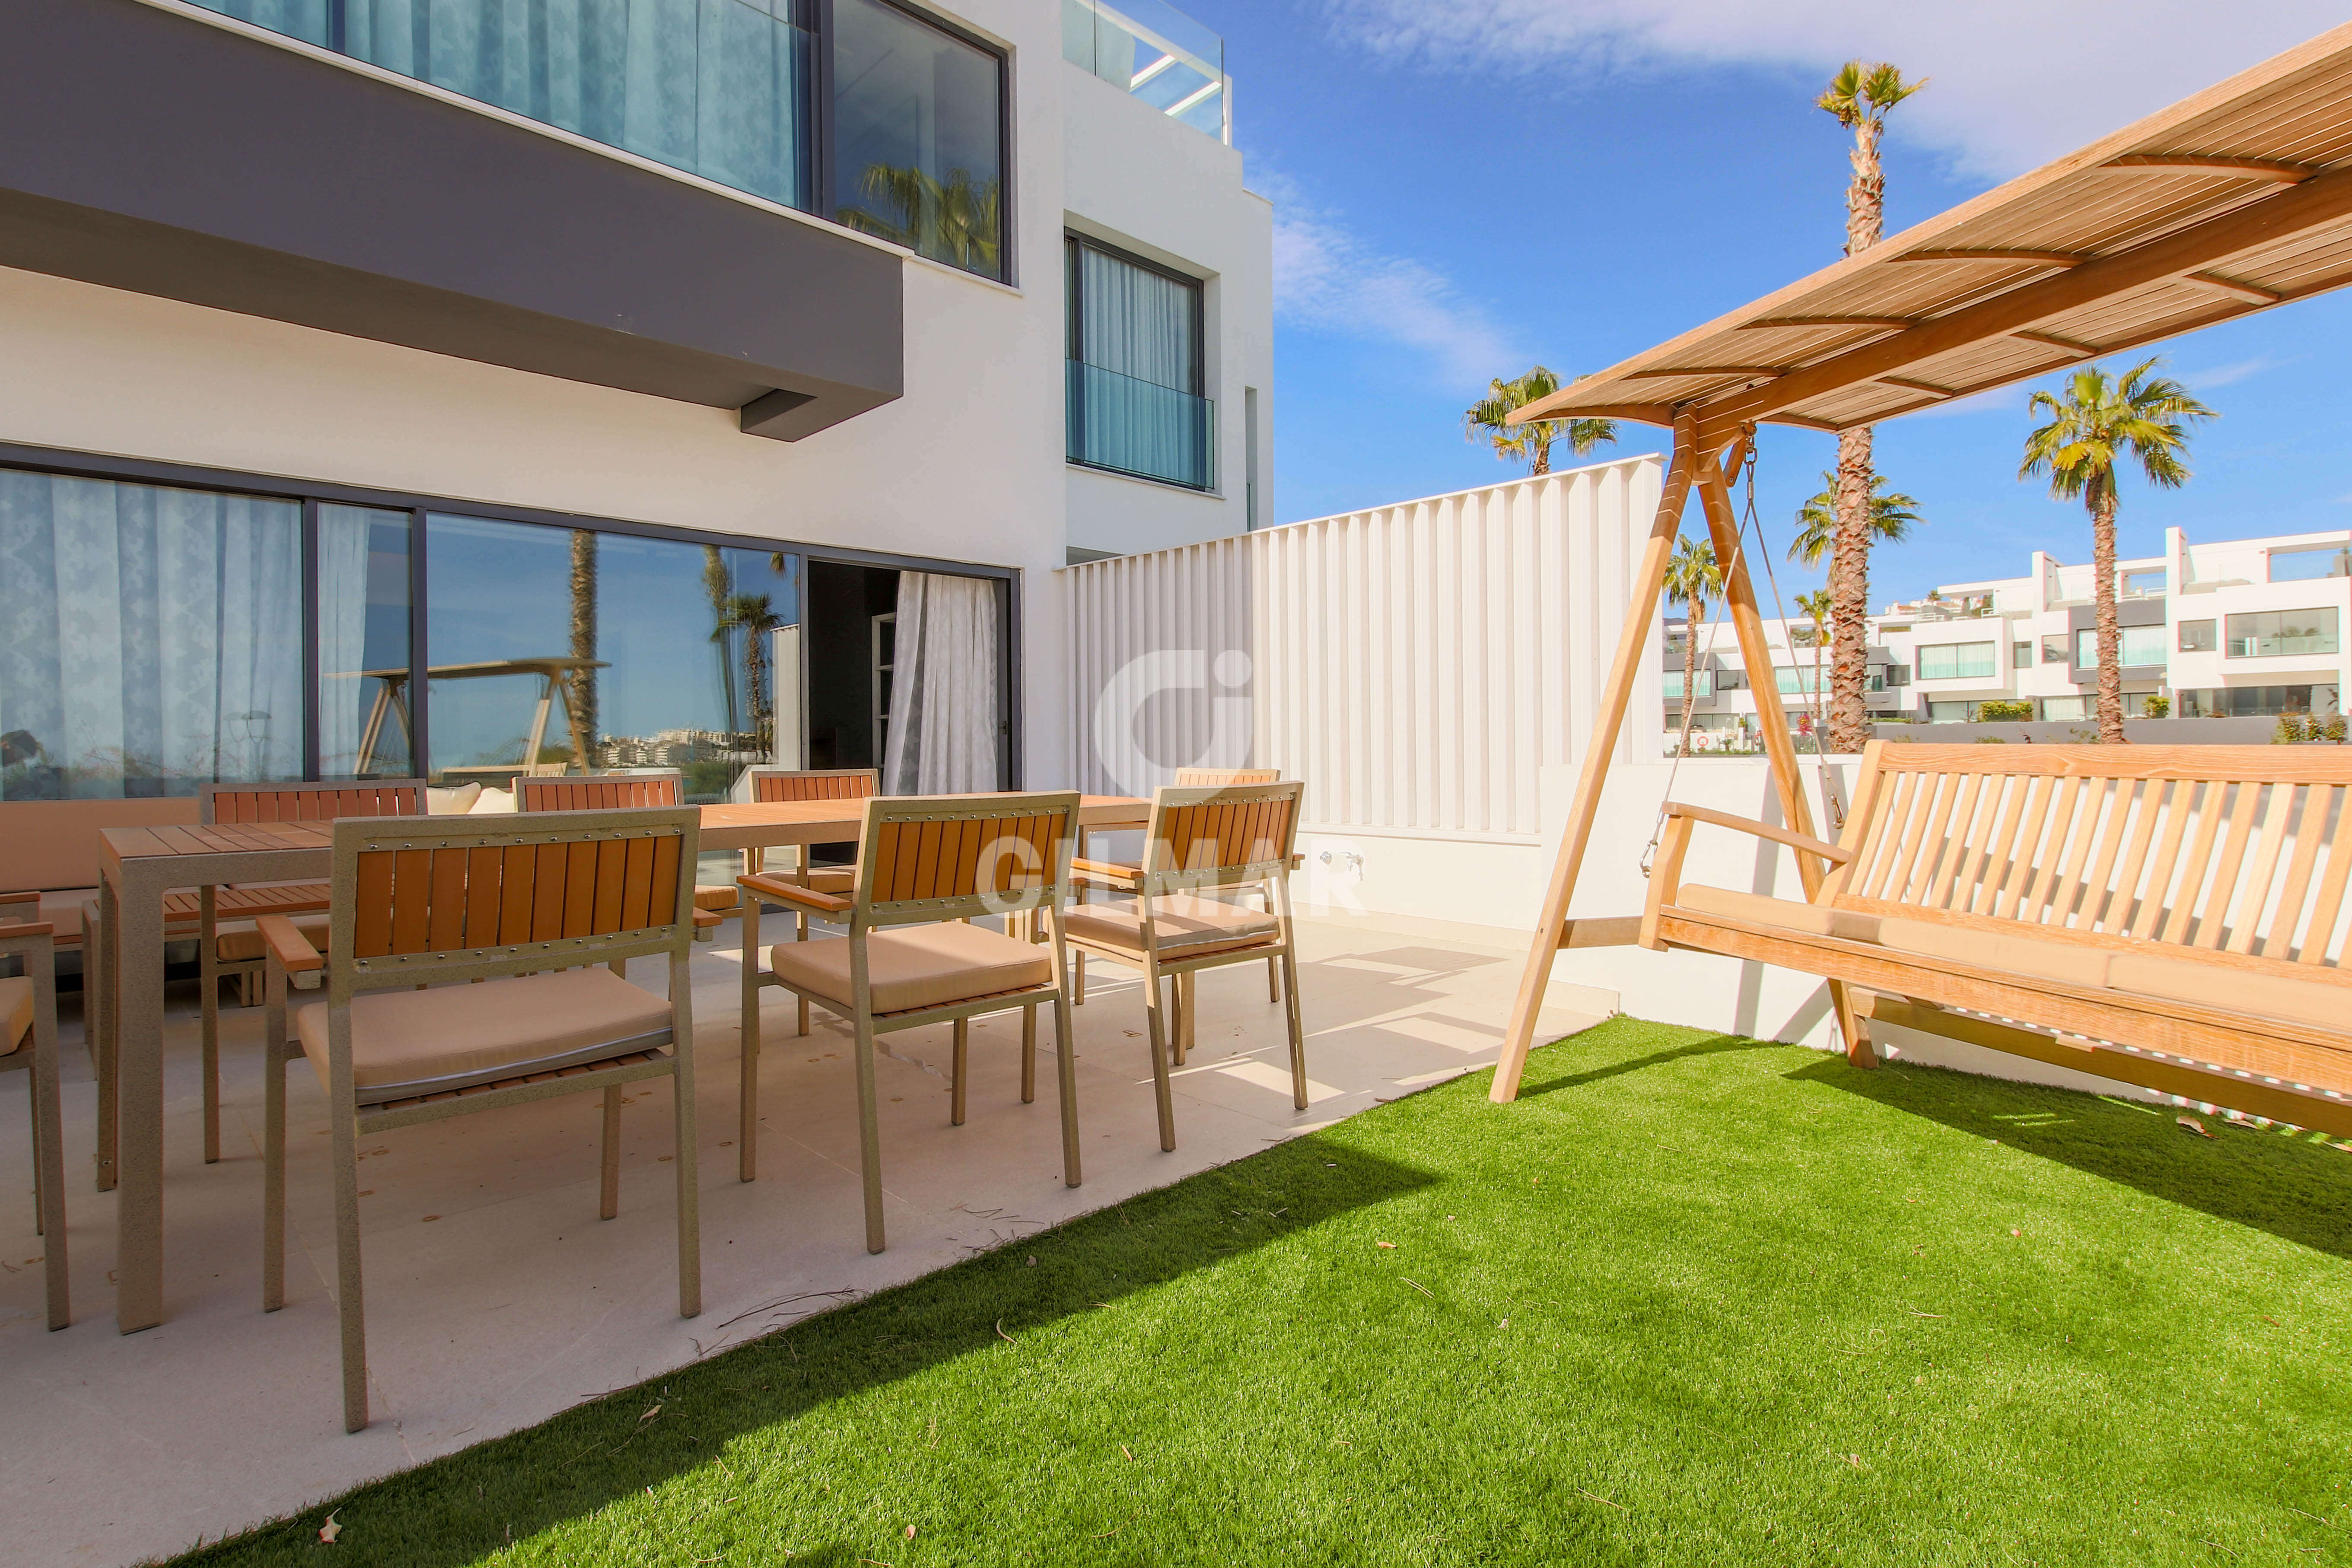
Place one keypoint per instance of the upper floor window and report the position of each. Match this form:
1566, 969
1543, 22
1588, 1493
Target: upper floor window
1703, 687
2053, 648
1136, 368
917, 135
2268, 634
2021, 655
1957, 661
2134, 645
2199, 637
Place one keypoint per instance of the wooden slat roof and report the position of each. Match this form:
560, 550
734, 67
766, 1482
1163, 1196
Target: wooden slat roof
2232, 201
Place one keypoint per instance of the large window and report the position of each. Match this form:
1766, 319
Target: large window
1957, 661
918, 136
150, 638
2199, 637
2249, 701
727, 90
2273, 633
157, 637
1136, 368
1703, 685
2136, 646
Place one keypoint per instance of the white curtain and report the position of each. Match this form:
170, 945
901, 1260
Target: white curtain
946, 700
150, 638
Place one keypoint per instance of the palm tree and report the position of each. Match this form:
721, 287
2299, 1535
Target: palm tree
1892, 515
953, 220
1859, 97
1692, 578
579, 700
1816, 606
755, 617
1490, 416
2098, 421
718, 586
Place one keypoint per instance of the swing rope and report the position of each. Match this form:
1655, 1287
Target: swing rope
1750, 521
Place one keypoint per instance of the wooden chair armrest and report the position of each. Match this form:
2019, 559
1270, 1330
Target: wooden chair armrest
25, 933
20, 899
703, 918
1799, 841
289, 948
1123, 878
1666, 875
776, 887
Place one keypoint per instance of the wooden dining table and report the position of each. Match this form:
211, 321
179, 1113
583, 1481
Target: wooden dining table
142, 868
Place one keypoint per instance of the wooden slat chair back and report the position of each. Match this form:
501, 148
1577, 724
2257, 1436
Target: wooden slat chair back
2181, 909
1201, 843
924, 865
28, 1040
600, 792
238, 953
313, 801
1199, 778
529, 906
770, 786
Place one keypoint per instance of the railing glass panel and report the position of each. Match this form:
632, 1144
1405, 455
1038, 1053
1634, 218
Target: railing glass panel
1157, 53
720, 89
1140, 428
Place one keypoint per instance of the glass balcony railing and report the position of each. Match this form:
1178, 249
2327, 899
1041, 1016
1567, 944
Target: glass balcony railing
720, 89
1157, 53
1140, 428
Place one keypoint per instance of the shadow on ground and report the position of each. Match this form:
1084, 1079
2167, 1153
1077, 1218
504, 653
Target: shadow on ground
2292, 1186
469, 1505
1709, 1046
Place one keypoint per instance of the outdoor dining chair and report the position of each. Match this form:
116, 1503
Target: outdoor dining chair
926, 867
1201, 842
617, 792
28, 1040
529, 907
770, 786
236, 949
1196, 778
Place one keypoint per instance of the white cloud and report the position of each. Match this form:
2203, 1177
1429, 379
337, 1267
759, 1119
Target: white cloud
2016, 82
1327, 279
2227, 374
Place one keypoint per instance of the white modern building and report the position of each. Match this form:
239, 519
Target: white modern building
2244, 628
449, 386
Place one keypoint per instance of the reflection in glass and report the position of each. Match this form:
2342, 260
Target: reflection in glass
917, 119
150, 638
364, 719
567, 650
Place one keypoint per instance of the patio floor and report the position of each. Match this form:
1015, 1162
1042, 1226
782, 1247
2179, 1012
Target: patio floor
495, 1296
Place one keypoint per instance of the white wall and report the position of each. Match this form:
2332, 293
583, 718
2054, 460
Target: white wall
1150, 184
1418, 665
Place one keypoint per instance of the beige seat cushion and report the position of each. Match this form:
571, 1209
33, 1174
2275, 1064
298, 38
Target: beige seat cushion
915, 966
716, 898
492, 803
1182, 923
242, 943
15, 1012
2232, 990
2018, 954
402, 1037
1762, 908
456, 801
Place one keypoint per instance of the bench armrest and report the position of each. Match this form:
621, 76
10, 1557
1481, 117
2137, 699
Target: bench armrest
290, 950
777, 889
1666, 875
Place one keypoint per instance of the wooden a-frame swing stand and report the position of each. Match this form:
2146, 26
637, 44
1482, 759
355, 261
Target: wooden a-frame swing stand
1710, 472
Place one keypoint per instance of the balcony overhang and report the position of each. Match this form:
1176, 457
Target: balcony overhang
148, 151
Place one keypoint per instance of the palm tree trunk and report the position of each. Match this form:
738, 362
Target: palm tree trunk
2102, 565
1865, 217
582, 694
1542, 450
1690, 669
1850, 593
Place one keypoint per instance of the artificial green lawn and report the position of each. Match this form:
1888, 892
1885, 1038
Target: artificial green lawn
1693, 1300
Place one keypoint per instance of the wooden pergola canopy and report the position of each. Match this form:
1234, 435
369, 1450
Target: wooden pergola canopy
2230, 202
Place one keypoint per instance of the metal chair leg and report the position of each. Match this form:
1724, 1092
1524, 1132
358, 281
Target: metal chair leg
956, 1073
609, 1204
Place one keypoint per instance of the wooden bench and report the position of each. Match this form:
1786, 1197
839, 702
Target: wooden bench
2166, 916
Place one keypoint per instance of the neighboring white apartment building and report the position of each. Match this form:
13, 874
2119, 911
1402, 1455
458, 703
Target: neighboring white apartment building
2246, 629
449, 386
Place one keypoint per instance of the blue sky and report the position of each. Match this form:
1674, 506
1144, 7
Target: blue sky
1464, 191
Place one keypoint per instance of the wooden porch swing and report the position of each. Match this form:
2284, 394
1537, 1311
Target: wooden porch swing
2167, 916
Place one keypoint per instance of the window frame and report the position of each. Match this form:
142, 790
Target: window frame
1992, 660
1074, 345
2212, 643
310, 494
2335, 633
2091, 648
822, 184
